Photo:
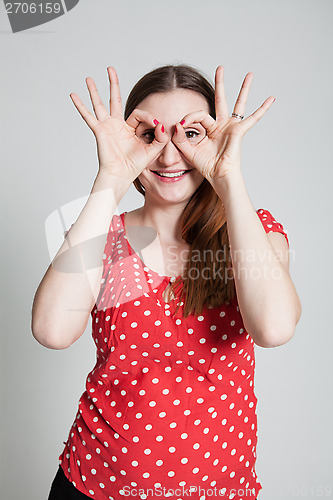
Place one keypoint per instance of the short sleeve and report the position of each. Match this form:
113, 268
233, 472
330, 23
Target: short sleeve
111, 238
270, 224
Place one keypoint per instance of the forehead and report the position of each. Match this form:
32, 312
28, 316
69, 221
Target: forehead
174, 105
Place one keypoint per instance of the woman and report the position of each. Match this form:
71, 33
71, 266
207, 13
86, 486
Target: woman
170, 405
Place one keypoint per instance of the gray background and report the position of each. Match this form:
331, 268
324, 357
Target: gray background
49, 160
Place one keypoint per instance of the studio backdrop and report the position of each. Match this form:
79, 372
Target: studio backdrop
49, 162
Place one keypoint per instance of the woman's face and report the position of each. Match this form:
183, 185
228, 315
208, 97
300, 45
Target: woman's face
169, 108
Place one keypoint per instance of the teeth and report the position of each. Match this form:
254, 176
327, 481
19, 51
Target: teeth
177, 174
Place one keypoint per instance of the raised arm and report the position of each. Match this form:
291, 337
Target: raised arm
71, 284
267, 298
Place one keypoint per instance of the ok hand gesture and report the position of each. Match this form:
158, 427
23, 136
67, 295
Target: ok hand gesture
218, 155
120, 152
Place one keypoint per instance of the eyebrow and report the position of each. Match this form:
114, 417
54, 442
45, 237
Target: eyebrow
144, 124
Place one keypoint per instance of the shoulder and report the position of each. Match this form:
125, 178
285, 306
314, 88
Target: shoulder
276, 234
271, 225
132, 217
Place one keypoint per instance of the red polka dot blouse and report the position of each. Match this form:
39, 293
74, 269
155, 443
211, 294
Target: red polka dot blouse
169, 409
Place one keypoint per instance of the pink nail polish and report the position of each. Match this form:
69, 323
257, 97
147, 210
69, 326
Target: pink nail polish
182, 122
176, 129
162, 128
156, 122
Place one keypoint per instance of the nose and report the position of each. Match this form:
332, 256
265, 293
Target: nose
169, 155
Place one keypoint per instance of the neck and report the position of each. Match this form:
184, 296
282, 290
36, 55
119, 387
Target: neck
165, 219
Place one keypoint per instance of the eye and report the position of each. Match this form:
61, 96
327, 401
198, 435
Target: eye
189, 132
149, 136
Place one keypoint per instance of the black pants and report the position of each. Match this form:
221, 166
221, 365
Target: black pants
63, 489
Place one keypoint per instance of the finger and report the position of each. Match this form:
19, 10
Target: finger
202, 117
116, 108
241, 101
100, 111
221, 106
139, 116
180, 140
160, 140
86, 115
255, 117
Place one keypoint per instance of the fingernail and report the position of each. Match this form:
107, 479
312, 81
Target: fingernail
162, 128
156, 122
176, 129
274, 99
182, 122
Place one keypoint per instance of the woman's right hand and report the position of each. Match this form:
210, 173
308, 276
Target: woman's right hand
120, 152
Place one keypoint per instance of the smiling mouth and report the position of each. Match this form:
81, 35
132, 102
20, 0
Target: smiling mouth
171, 175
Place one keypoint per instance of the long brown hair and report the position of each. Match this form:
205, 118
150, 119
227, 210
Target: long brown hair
207, 281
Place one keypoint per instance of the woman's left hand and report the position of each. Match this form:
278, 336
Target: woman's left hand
217, 156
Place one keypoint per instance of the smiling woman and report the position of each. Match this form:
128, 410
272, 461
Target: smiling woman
173, 92
170, 402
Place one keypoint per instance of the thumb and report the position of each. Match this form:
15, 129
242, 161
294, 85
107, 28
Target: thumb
180, 140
